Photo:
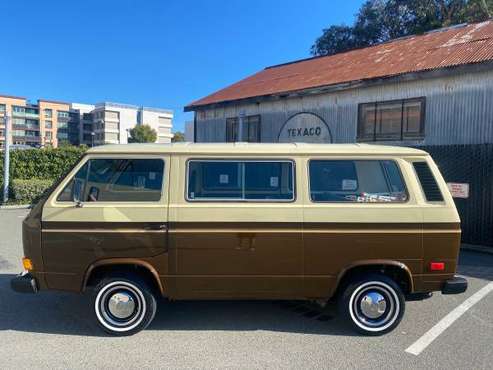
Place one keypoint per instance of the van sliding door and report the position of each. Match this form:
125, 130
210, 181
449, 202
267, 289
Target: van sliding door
238, 232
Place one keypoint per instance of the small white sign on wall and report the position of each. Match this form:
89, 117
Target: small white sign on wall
458, 190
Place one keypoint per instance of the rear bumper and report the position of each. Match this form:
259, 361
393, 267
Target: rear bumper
24, 283
456, 285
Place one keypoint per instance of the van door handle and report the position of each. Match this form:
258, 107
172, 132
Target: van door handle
163, 227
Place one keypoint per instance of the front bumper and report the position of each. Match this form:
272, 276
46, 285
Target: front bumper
456, 285
24, 283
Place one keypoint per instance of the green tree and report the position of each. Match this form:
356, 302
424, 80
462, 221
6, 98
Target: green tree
142, 134
177, 137
382, 20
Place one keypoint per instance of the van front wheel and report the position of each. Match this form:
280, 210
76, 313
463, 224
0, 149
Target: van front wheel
123, 305
373, 304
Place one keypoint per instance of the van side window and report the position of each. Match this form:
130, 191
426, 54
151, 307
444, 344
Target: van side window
356, 181
428, 182
240, 180
117, 180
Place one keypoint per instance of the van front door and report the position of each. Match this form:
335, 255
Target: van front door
109, 208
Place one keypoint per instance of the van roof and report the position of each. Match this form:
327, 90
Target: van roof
256, 148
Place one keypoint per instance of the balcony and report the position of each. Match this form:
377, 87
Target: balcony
35, 139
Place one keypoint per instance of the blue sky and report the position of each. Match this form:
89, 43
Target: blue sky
150, 52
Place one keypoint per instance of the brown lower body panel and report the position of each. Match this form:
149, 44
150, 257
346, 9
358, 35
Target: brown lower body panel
250, 260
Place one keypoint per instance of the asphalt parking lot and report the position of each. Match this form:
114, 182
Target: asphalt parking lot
57, 330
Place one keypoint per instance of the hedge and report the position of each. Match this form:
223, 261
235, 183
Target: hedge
28, 191
46, 163
32, 171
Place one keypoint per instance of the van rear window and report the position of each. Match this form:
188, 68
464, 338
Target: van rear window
428, 182
240, 180
356, 181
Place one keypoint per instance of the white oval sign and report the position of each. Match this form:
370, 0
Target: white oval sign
305, 128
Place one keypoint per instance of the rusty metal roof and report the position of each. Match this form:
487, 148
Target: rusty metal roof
447, 47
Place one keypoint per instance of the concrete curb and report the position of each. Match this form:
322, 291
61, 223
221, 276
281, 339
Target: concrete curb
16, 206
477, 248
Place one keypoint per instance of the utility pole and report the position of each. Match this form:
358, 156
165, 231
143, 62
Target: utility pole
6, 159
240, 125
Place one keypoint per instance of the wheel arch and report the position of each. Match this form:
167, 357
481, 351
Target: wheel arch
394, 269
114, 265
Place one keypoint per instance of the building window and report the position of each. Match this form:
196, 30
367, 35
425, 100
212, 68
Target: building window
48, 124
392, 120
48, 135
32, 123
18, 133
111, 126
251, 129
18, 121
62, 114
48, 113
110, 115
18, 109
32, 133
32, 111
2, 107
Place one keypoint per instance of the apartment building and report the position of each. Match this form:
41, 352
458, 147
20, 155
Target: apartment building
44, 123
51, 123
113, 121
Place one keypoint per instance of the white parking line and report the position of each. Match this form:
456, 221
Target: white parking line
417, 347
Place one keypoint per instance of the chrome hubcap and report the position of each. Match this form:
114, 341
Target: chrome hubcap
373, 305
121, 305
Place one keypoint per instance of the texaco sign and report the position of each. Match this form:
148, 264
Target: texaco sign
305, 127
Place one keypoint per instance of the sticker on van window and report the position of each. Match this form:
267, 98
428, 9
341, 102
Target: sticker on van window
141, 182
224, 179
152, 175
348, 184
274, 182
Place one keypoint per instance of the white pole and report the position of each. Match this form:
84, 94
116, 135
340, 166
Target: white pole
6, 160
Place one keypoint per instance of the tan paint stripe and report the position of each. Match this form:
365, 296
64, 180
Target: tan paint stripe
258, 231
333, 231
123, 231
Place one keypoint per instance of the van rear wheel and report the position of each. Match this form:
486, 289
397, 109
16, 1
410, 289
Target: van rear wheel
373, 304
123, 305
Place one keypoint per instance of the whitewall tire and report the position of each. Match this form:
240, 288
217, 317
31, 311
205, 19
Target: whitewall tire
373, 304
123, 305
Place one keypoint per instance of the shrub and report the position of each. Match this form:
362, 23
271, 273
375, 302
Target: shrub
46, 163
28, 191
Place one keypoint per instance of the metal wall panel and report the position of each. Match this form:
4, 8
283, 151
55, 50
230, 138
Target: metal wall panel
472, 164
459, 110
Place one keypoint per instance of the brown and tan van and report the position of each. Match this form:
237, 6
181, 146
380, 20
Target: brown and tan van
368, 225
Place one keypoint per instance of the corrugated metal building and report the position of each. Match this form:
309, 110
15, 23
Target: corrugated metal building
433, 91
